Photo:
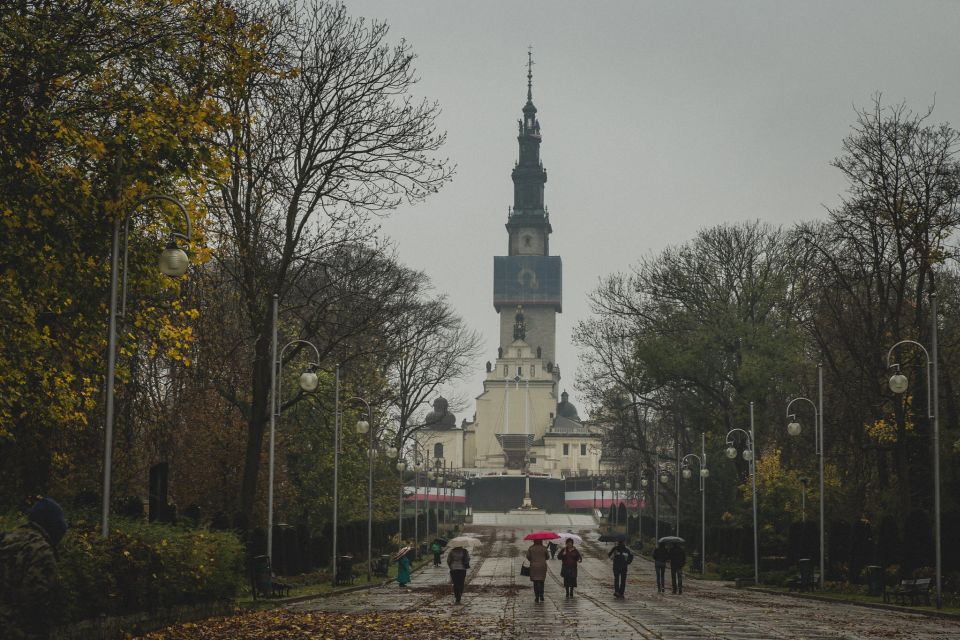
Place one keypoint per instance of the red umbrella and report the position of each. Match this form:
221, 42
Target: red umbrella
541, 535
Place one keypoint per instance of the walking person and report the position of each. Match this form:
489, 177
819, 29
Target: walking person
28, 572
622, 556
458, 559
403, 569
537, 556
570, 558
660, 558
552, 546
436, 549
678, 558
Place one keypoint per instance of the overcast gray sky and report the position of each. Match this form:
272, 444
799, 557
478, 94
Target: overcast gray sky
658, 119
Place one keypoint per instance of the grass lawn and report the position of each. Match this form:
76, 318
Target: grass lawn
865, 599
319, 584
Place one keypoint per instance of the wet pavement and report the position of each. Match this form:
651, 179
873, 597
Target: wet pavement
501, 603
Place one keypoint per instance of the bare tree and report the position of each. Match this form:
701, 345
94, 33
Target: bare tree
433, 348
324, 133
874, 258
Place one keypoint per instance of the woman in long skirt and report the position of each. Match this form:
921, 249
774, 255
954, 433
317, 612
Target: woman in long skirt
569, 558
403, 570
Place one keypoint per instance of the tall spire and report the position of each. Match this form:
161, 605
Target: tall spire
529, 175
530, 74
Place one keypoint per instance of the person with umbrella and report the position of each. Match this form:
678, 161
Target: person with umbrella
458, 559
436, 548
622, 556
537, 556
403, 566
660, 558
678, 558
569, 558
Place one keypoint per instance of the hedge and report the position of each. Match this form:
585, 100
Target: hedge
141, 567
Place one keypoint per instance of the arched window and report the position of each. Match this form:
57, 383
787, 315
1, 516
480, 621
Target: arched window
438, 450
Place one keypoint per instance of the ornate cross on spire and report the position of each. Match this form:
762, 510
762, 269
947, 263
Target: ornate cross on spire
530, 73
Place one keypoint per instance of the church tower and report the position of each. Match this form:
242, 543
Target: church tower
528, 275
522, 424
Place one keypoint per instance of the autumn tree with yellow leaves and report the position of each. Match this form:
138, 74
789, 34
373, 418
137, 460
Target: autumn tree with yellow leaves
101, 102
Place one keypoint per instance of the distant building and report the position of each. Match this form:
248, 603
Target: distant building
519, 423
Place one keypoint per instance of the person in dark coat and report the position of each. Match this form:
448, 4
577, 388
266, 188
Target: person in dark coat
660, 558
458, 559
678, 558
570, 558
622, 556
537, 555
552, 546
28, 572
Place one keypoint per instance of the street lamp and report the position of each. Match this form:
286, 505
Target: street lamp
308, 382
421, 462
702, 476
401, 467
366, 427
173, 262
438, 464
644, 482
794, 429
749, 454
899, 384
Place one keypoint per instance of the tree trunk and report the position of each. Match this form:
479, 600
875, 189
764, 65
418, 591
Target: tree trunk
257, 422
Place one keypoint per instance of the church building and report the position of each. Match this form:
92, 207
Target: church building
522, 424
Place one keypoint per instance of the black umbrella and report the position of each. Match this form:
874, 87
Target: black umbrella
441, 541
612, 537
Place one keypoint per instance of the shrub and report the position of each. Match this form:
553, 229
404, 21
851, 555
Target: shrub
142, 567
734, 570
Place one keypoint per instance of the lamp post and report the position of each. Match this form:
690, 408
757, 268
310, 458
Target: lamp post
421, 461
899, 384
174, 263
437, 479
803, 499
749, 454
417, 468
366, 427
663, 475
308, 383
703, 474
644, 482
603, 506
401, 467
430, 482
794, 428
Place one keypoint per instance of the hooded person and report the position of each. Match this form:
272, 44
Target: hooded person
458, 559
28, 571
622, 556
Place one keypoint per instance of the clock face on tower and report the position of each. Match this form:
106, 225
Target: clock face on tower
525, 280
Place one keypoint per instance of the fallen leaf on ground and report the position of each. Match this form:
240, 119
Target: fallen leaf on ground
288, 625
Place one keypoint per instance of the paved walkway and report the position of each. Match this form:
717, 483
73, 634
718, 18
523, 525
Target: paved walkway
501, 603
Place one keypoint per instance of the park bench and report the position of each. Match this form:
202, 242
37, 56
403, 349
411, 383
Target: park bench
800, 582
921, 591
900, 593
262, 582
